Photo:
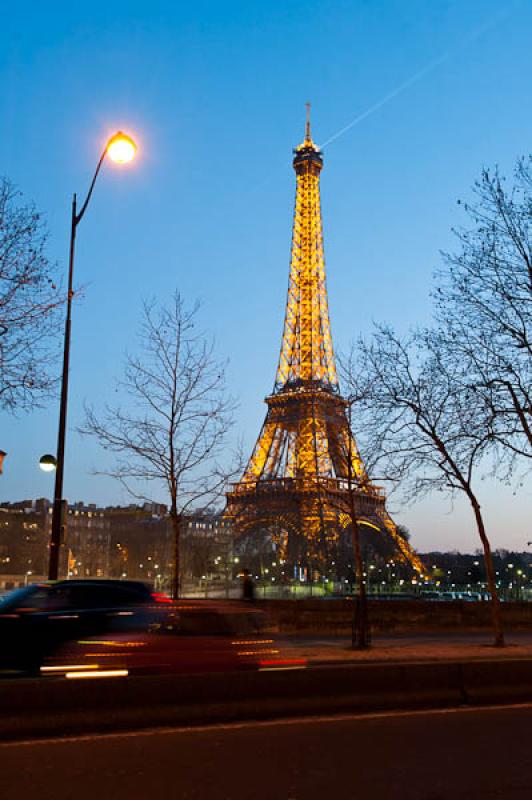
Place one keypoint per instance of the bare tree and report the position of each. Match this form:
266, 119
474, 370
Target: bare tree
28, 300
484, 306
178, 414
422, 432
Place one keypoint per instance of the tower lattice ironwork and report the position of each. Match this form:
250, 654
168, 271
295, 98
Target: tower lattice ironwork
296, 484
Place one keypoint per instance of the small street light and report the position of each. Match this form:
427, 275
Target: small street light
121, 149
48, 463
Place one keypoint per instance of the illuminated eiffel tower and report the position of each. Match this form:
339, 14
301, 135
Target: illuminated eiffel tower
296, 484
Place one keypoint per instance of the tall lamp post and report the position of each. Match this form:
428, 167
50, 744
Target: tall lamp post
121, 149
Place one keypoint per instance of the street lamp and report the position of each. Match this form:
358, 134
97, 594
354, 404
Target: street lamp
47, 463
120, 149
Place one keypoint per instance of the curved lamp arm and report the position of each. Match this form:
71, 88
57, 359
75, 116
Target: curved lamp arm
120, 148
79, 216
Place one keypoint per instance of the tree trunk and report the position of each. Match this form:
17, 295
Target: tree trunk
176, 529
490, 573
360, 632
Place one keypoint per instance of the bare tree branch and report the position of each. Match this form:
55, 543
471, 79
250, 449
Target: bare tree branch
418, 423
174, 429
29, 300
484, 308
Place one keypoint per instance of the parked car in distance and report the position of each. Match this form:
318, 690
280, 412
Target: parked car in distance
446, 596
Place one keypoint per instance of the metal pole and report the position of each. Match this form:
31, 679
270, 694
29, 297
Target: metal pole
57, 521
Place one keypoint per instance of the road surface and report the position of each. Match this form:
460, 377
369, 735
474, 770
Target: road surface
463, 754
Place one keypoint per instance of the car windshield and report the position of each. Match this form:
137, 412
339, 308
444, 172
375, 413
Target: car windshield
14, 598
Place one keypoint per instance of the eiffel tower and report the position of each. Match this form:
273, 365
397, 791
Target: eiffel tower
296, 484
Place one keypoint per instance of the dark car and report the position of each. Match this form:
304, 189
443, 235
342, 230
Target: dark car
36, 619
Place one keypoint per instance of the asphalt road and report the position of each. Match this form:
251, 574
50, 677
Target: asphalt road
430, 755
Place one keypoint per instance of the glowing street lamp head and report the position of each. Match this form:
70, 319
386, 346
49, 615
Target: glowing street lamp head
48, 463
121, 148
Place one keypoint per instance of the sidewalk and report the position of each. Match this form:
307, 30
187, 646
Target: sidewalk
408, 648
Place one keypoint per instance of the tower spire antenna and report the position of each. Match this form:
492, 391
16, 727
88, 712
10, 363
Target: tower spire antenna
307, 127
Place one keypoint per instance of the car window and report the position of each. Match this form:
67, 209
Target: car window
246, 624
202, 622
73, 596
105, 596
46, 598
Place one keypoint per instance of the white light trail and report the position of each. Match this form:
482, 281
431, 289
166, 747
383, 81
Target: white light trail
102, 673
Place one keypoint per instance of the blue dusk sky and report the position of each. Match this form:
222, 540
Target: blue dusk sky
214, 93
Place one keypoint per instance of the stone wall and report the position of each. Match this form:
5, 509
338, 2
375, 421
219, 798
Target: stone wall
333, 617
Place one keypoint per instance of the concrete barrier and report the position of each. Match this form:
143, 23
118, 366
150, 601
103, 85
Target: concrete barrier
59, 707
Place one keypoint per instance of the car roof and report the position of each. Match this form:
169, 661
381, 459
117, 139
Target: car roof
104, 582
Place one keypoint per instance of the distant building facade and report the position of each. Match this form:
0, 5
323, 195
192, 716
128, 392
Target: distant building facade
132, 541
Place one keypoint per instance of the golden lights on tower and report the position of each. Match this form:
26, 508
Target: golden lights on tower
296, 481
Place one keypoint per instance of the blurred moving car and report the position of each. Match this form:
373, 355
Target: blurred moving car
100, 628
36, 619
186, 637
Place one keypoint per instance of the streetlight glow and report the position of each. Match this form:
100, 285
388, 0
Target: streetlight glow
48, 463
121, 148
